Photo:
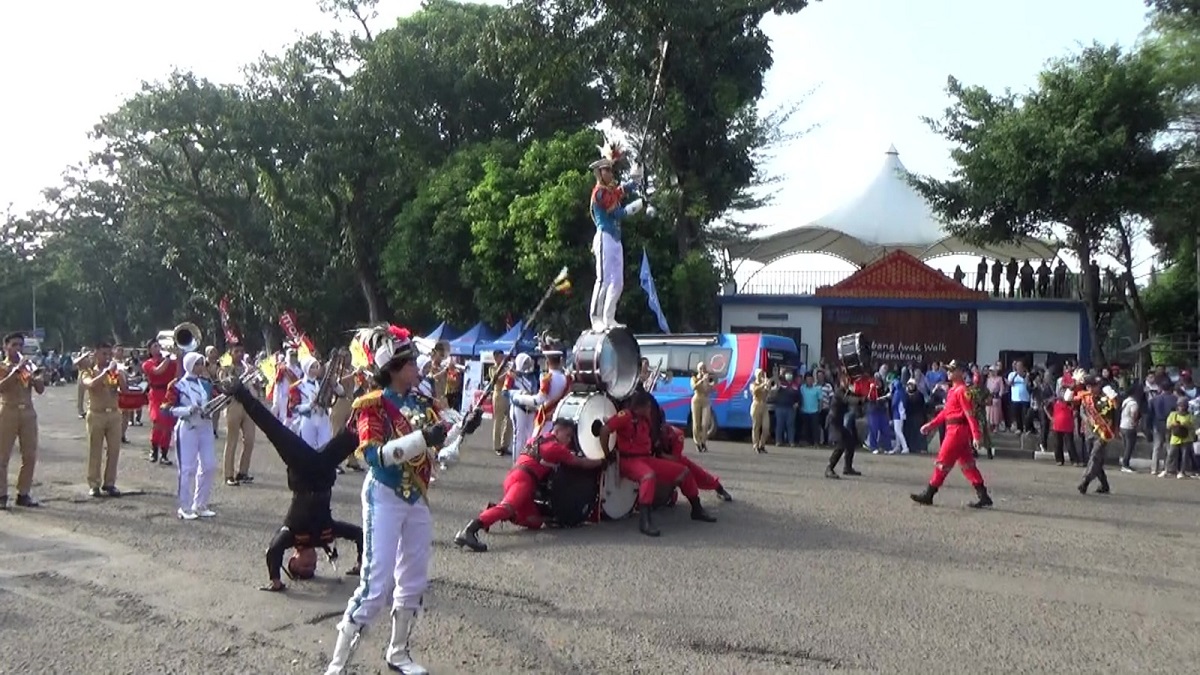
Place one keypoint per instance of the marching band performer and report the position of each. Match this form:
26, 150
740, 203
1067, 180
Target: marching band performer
311, 473
160, 370
19, 380
608, 209
212, 375
502, 424
760, 414
239, 428
631, 427
395, 436
287, 373
702, 415
118, 357
353, 384
82, 363
673, 440
186, 399
312, 420
962, 433
553, 387
1097, 405
103, 381
524, 403
540, 457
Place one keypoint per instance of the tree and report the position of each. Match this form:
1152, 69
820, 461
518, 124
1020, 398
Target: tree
1077, 153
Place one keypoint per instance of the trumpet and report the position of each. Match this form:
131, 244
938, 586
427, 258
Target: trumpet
185, 338
219, 403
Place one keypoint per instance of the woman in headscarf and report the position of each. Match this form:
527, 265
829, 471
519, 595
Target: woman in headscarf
312, 420
186, 398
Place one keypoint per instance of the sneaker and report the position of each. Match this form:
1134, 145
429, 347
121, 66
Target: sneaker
232, 482
245, 478
1181, 475
1162, 474
186, 515
26, 501
110, 490
206, 513
95, 492
1126, 469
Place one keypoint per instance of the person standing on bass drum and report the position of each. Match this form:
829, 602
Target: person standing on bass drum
962, 437
541, 456
608, 209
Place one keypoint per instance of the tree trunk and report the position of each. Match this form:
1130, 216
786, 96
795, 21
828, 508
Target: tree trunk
1091, 296
370, 293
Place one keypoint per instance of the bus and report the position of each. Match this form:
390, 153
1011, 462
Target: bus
732, 359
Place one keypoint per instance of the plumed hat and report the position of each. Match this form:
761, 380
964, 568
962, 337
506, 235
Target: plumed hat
385, 344
610, 153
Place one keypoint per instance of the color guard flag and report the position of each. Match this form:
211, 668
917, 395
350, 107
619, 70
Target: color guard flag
562, 282
647, 280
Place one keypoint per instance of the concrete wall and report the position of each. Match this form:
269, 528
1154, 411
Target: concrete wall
1049, 331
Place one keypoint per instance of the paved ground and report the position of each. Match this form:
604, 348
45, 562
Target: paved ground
800, 574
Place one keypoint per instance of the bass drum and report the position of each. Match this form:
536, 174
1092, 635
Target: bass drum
568, 497
618, 495
589, 412
609, 361
854, 353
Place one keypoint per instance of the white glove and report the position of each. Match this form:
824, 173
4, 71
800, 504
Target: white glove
195, 410
402, 449
449, 454
526, 400
304, 408
651, 211
634, 207
636, 174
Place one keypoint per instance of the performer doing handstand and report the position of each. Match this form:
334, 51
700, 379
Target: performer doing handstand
311, 473
541, 456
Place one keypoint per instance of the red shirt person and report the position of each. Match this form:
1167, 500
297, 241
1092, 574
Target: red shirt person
630, 428
160, 371
673, 439
541, 456
963, 434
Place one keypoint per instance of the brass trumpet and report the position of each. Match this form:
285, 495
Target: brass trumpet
185, 337
219, 403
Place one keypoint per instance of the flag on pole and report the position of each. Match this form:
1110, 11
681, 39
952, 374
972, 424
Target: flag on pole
647, 279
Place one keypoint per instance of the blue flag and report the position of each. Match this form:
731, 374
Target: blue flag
647, 280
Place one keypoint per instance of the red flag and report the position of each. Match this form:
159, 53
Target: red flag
231, 333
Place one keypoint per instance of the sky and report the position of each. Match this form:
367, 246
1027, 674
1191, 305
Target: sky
875, 67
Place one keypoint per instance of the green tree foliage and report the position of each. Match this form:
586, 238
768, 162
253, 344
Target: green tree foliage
1077, 153
435, 169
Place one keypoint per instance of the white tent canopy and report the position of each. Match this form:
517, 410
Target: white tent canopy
889, 215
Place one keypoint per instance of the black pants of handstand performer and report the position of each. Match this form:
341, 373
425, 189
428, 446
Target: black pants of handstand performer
311, 474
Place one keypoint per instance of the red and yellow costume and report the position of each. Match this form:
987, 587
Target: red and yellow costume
162, 423
541, 456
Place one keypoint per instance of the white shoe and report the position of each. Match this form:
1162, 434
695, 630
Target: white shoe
597, 325
1181, 475
206, 513
1162, 474
348, 638
186, 515
1126, 469
398, 657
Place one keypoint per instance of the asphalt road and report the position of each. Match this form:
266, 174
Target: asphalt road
800, 574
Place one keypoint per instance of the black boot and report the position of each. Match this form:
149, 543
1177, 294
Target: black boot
153, 453
925, 497
646, 525
830, 473
984, 500
698, 512
1082, 487
850, 472
1102, 490
468, 537
723, 493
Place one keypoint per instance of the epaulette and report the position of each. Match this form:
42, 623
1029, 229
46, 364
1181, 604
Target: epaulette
370, 399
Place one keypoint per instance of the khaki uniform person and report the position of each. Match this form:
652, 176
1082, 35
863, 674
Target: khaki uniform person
760, 414
239, 428
82, 362
702, 415
18, 419
103, 382
502, 428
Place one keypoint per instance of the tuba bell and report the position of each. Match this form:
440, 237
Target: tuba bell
185, 337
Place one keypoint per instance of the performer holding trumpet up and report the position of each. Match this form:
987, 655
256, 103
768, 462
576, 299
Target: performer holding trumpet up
19, 380
186, 400
104, 381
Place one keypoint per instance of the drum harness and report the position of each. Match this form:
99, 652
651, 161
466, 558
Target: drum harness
534, 450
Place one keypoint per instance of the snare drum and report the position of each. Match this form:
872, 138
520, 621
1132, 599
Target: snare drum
609, 361
133, 400
589, 412
854, 353
568, 497
618, 495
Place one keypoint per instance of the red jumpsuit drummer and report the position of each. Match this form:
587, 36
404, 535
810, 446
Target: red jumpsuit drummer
541, 456
159, 372
673, 439
631, 427
962, 435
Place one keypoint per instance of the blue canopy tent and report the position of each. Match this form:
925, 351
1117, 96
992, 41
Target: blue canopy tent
527, 345
443, 332
468, 343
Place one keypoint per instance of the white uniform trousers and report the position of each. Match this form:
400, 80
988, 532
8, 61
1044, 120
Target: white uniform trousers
522, 424
610, 279
314, 429
397, 550
197, 462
